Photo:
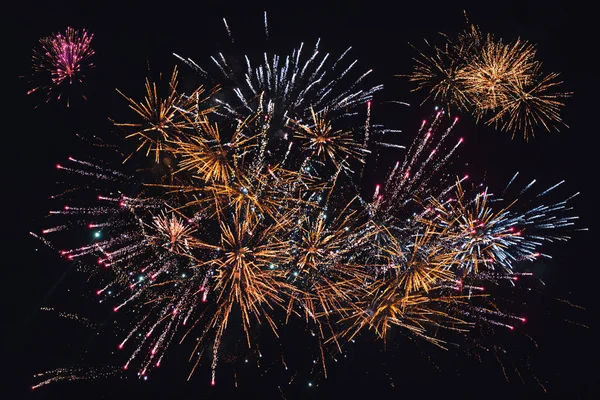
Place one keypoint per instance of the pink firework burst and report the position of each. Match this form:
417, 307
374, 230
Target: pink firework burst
60, 60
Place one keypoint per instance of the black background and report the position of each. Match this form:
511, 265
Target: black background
129, 36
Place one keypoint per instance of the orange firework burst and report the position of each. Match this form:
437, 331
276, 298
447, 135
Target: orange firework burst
425, 267
421, 314
487, 77
412, 292
530, 104
323, 260
441, 74
243, 260
207, 155
499, 82
327, 143
272, 193
163, 117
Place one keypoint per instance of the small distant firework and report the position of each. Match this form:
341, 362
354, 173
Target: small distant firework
61, 60
501, 83
260, 218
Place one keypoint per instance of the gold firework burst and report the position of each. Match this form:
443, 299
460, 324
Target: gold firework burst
411, 291
273, 193
206, 154
244, 260
163, 117
498, 82
488, 74
426, 266
529, 104
441, 75
383, 306
324, 261
327, 143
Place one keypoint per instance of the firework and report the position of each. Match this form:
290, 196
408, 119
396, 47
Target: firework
441, 74
293, 86
327, 265
163, 117
207, 155
531, 105
320, 138
500, 83
241, 263
171, 232
260, 214
487, 239
434, 257
268, 241
61, 60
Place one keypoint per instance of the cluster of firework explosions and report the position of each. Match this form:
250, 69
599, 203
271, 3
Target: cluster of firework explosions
500, 83
249, 201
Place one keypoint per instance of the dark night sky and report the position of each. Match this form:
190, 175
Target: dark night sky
129, 37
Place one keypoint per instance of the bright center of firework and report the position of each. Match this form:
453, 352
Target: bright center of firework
241, 252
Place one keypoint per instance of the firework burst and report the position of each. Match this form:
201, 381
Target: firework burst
61, 60
171, 233
486, 238
328, 144
500, 83
163, 117
207, 155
